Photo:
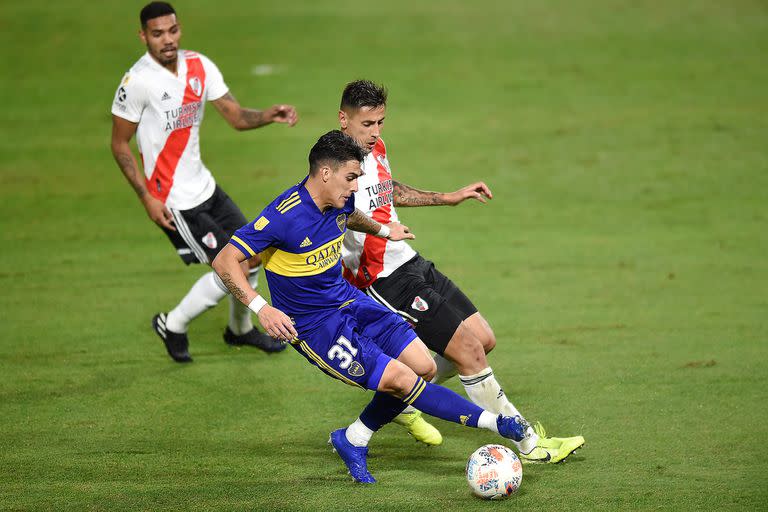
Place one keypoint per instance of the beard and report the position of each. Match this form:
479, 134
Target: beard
160, 56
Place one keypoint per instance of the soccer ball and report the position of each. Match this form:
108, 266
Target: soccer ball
494, 472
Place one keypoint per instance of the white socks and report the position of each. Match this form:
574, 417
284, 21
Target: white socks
204, 294
358, 434
484, 390
487, 421
445, 370
240, 321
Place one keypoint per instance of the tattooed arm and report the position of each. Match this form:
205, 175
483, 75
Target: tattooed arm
358, 221
227, 265
122, 132
242, 118
409, 196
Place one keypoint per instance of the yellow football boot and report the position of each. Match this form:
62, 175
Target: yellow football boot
551, 450
419, 428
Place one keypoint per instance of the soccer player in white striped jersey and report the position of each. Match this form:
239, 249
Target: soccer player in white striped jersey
161, 101
395, 275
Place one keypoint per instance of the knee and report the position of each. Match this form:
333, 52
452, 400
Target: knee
467, 352
427, 370
482, 330
488, 340
398, 380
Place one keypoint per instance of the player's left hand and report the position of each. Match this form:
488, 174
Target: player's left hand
399, 231
282, 114
276, 323
478, 191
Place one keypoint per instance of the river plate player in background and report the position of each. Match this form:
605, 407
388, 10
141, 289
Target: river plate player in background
335, 326
161, 100
396, 276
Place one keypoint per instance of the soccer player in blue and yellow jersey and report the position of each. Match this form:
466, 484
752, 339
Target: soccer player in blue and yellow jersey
336, 327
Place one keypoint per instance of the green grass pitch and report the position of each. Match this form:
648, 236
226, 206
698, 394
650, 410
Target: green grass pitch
622, 262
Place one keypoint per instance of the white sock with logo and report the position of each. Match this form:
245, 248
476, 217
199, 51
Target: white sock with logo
204, 294
240, 320
445, 370
484, 390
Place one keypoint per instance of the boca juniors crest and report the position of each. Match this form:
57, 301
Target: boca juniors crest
341, 221
356, 369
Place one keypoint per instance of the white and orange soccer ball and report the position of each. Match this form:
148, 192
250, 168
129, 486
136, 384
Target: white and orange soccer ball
494, 472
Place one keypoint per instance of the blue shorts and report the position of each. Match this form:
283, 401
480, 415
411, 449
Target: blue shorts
355, 343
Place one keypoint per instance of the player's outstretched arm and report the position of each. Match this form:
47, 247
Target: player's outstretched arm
405, 195
122, 132
241, 118
358, 221
227, 265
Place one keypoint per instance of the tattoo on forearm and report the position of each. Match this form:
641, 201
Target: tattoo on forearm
358, 221
128, 165
409, 196
235, 290
241, 118
252, 118
224, 105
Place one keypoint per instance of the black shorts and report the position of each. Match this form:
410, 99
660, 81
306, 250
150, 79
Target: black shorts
426, 298
202, 231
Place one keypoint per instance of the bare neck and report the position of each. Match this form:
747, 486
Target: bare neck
173, 67
314, 186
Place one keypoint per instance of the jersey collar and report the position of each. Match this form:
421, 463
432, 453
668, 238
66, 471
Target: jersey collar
181, 66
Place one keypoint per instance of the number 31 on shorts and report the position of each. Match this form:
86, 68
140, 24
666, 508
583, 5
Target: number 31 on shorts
344, 351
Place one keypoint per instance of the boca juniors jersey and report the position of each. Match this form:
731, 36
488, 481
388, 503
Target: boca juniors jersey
169, 110
300, 248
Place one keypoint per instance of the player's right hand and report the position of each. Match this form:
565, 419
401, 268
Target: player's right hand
277, 324
399, 231
159, 213
282, 114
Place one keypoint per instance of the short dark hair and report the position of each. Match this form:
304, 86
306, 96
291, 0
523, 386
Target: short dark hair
154, 10
363, 93
334, 148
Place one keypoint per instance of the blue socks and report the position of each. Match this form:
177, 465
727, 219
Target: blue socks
381, 410
442, 403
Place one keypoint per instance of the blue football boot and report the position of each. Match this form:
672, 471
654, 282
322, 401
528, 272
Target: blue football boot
514, 428
355, 457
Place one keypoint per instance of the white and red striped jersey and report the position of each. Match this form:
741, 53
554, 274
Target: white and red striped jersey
368, 257
169, 110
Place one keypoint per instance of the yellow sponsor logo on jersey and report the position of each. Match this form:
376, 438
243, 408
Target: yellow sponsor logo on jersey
260, 223
307, 263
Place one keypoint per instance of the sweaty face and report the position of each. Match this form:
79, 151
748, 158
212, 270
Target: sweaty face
342, 182
161, 35
363, 124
